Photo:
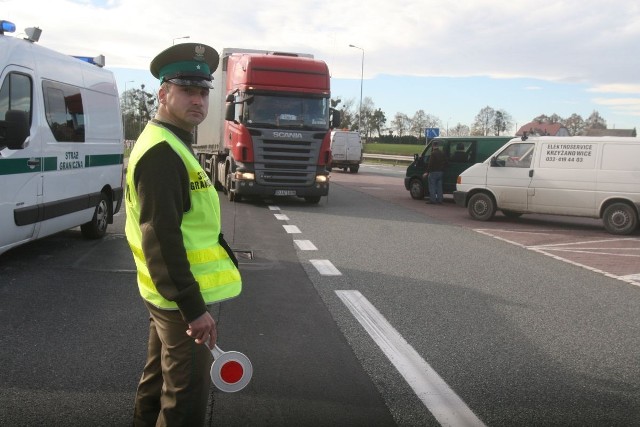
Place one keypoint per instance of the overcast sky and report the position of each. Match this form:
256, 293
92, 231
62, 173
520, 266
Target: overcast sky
448, 58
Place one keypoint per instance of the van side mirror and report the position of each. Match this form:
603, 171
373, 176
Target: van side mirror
415, 157
494, 162
14, 129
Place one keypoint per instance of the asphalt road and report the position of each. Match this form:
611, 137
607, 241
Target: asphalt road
521, 337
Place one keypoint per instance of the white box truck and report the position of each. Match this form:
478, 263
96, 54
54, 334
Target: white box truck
61, 142
595, 177
346, 150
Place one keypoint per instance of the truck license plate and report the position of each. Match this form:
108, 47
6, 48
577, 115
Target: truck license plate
285, 192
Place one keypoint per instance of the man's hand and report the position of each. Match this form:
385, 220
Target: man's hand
204, 330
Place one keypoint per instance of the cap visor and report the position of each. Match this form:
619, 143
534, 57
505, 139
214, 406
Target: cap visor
192, 82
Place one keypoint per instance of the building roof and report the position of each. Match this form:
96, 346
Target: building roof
611, 132
543, 129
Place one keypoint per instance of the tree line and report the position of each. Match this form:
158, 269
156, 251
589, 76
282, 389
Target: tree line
138, 107
403, 129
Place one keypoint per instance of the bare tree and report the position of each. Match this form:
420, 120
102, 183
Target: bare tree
575, 124
502, 122
378, 120
595, 121
348, 118
483, 122
459, 130
401, 124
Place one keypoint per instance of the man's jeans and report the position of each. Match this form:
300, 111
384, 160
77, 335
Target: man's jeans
435, 186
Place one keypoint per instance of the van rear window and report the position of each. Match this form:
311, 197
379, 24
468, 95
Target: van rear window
64, 111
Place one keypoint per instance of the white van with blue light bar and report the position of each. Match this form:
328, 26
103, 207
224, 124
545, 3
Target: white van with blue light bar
61, 142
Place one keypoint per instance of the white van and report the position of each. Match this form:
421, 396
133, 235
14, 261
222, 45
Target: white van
346, 150
61, 142
595, 177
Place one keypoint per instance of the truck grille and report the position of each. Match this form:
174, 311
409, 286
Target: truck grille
290, 162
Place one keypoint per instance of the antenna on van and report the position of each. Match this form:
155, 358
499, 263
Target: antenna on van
524, 136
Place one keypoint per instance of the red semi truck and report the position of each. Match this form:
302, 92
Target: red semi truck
268, 128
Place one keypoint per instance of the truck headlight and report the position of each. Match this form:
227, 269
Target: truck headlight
245, 176
322, 178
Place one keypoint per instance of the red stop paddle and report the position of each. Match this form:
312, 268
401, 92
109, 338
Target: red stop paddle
231, 371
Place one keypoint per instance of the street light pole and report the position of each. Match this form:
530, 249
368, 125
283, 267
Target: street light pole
361, 81
178, 38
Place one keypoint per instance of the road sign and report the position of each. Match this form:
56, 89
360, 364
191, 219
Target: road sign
431, 133
231, 371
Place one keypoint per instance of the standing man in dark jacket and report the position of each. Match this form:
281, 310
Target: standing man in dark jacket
173, 228
436, 166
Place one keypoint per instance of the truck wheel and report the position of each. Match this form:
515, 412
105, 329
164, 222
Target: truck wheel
416, 189
354, 169
620, 218
230, 194
481, 207
97, 227
213, 174
312, 200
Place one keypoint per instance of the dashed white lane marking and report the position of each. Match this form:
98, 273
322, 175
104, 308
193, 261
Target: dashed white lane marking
305, 245
431, 389
281, 217
274, 208
292, 229
325, 267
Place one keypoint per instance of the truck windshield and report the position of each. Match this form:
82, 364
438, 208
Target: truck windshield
287, 112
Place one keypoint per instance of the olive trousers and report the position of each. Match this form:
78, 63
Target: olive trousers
174, 387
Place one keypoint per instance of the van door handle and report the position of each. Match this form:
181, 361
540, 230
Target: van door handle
33, 162
530, 173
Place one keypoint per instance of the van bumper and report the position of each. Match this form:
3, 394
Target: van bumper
460, 197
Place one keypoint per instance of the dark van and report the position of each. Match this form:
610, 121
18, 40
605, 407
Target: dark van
461, 152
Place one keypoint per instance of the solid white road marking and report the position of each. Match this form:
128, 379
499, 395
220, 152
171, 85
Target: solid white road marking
292, 229
305, 245
438, 397
325, 267
548, 249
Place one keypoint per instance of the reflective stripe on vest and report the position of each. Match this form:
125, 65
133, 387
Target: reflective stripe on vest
217, 276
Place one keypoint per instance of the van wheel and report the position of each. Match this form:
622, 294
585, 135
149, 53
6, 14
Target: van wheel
620, 218
97, 227
354, 169
511, 214
481, 207
416, 189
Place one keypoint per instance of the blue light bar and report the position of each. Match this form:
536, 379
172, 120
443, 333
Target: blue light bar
96, 60
7, 26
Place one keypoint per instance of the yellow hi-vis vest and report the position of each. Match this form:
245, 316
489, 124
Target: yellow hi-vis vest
213, 269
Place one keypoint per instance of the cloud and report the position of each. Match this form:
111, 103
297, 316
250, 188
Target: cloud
570, 41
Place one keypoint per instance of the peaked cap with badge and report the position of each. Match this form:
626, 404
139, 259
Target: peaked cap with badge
186, 64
